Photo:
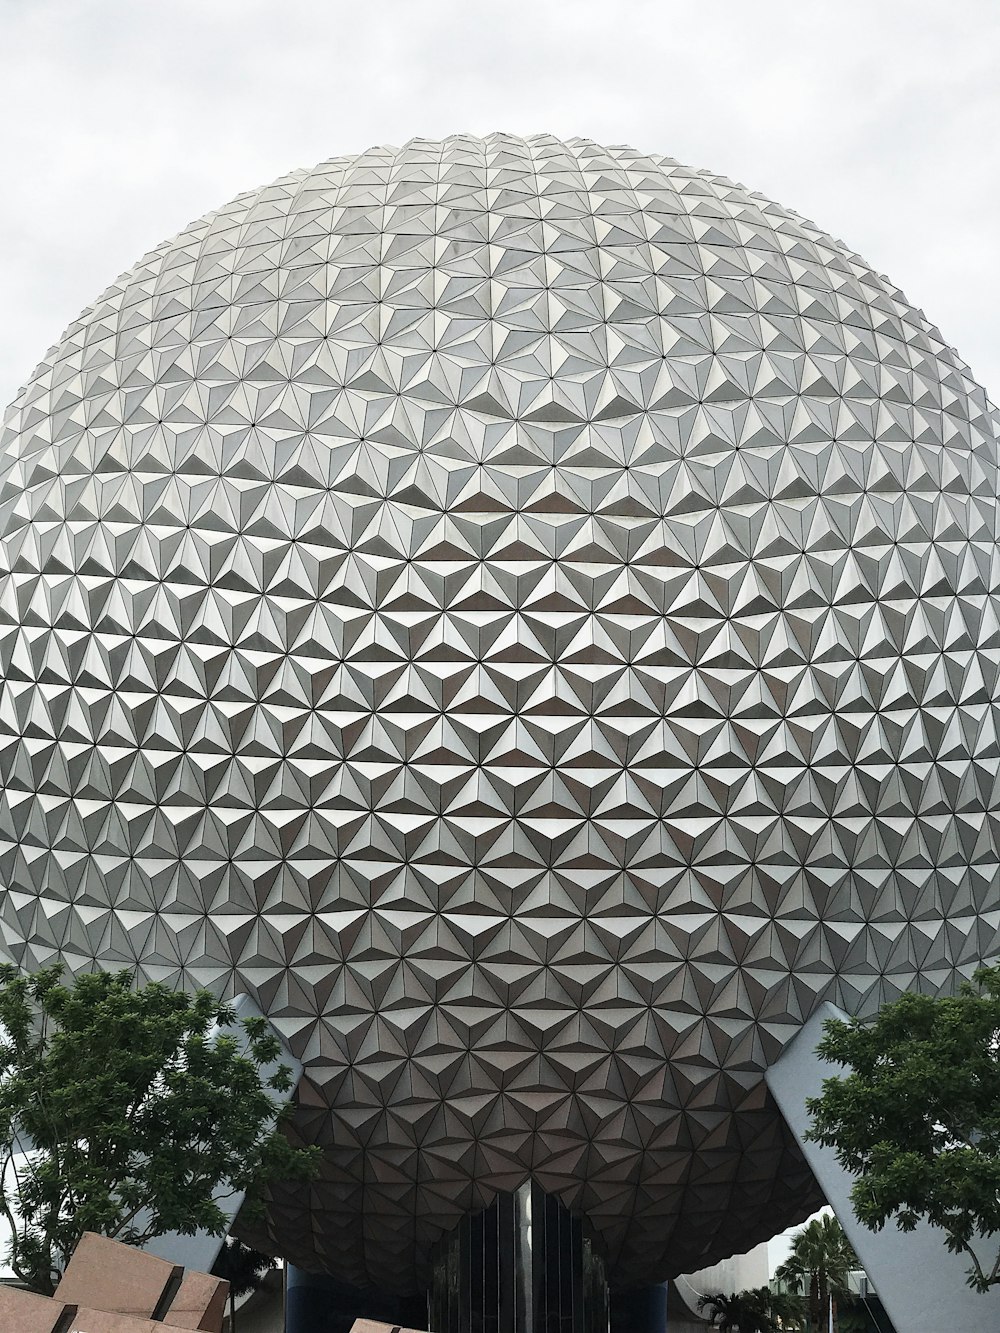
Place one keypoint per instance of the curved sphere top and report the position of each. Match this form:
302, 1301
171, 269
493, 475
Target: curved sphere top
527, 613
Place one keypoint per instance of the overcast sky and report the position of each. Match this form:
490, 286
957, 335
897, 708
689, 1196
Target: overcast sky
125, 119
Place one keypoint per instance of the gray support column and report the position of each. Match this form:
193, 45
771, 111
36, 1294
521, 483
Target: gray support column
921, 1285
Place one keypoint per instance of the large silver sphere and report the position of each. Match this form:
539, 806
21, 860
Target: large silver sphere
527, 612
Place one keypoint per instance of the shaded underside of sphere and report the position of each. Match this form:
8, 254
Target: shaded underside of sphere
527, 613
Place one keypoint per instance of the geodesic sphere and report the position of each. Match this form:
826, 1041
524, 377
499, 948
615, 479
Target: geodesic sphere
527, 613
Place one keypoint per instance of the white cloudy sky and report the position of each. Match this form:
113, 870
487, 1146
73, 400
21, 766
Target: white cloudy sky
125, 119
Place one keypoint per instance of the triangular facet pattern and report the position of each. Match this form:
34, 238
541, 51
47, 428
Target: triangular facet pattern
527, 612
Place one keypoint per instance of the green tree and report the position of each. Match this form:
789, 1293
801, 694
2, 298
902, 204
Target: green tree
917, 1118
818, 1268
122, 1113
758, 1310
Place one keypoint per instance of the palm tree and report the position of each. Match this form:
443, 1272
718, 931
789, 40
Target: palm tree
244, 1269
758, 1310
818, 1267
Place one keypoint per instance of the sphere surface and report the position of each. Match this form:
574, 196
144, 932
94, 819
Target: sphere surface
527, 612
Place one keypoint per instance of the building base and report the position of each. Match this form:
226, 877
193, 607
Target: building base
522, 1265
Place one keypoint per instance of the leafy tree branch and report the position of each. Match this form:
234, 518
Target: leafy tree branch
122, 1113
917, 1117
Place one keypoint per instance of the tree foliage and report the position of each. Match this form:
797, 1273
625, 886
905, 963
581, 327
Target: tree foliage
757, 1310
244, 1269
917, 1118
818, 1268
122, 1113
